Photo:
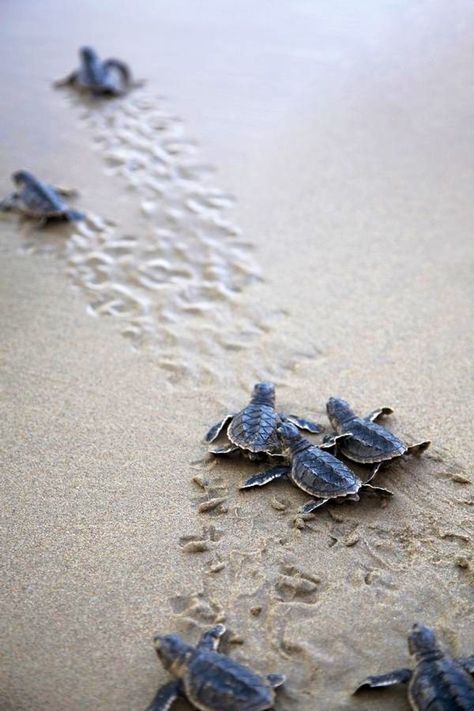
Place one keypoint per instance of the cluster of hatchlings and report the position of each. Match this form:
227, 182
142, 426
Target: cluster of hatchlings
207, 679
260, 431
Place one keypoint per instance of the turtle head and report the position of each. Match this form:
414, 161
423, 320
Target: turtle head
339, 411
22, 176
288, 433
422, 641
87, 54
264, 394
173, 652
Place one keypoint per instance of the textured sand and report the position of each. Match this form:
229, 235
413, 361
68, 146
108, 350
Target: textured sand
331, 252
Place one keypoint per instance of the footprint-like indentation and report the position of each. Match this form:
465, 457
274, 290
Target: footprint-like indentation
293, 584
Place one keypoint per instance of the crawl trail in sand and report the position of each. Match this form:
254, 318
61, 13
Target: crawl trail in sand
185, 283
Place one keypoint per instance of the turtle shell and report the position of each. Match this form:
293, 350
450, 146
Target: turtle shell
39, 199
320, 474
370, 442
255, 428
441, 685
214, 682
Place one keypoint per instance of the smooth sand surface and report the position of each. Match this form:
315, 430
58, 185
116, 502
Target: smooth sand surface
330, 252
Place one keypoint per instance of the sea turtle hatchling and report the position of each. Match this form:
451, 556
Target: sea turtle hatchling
253, 430
37, 199
110, 77
438, 682
208, 680
314, 470
369, 442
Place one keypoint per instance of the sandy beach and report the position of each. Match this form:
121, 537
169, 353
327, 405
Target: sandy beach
288, 198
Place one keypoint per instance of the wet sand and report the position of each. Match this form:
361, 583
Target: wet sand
329, 250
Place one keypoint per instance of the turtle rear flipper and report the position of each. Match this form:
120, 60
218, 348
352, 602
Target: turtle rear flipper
74, 215
399, 676
165, 696
370, 489
331, 441
313, 505
303, 424
65, 192
418, 448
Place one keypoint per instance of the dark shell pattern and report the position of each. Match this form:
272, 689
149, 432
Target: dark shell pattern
321, 474
441, 685
214, 681
370, 442
255, 428
41, 199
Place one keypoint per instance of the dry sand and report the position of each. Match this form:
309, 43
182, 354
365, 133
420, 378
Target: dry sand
342, 135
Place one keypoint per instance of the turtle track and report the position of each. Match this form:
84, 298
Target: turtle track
183, 283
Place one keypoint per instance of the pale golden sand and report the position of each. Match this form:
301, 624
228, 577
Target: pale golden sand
345, 137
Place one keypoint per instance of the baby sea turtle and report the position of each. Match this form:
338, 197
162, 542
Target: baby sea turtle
111, 77
314, 470
369, 443
254, 429
438, 682
37, 199
209, 680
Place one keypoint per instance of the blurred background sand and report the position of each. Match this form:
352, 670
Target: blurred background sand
345, 134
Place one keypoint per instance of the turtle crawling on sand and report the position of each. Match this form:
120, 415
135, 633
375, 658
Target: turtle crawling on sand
314, 470
253, 430
37, 199
110, 77
208, 680
438, 682
369, 442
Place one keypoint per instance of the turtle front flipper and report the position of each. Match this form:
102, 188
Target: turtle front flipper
224, 451
9, 203
276, 680
210, 639
303, 424
122, 68
399, 676
417, 449
262, 478
165, 696
216, 429
67, 81
380, 412
467, 663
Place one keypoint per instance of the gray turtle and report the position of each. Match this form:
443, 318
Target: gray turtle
37, 199
369, 443
253, 430
208, 680
110, 77
438, 682
315, 471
